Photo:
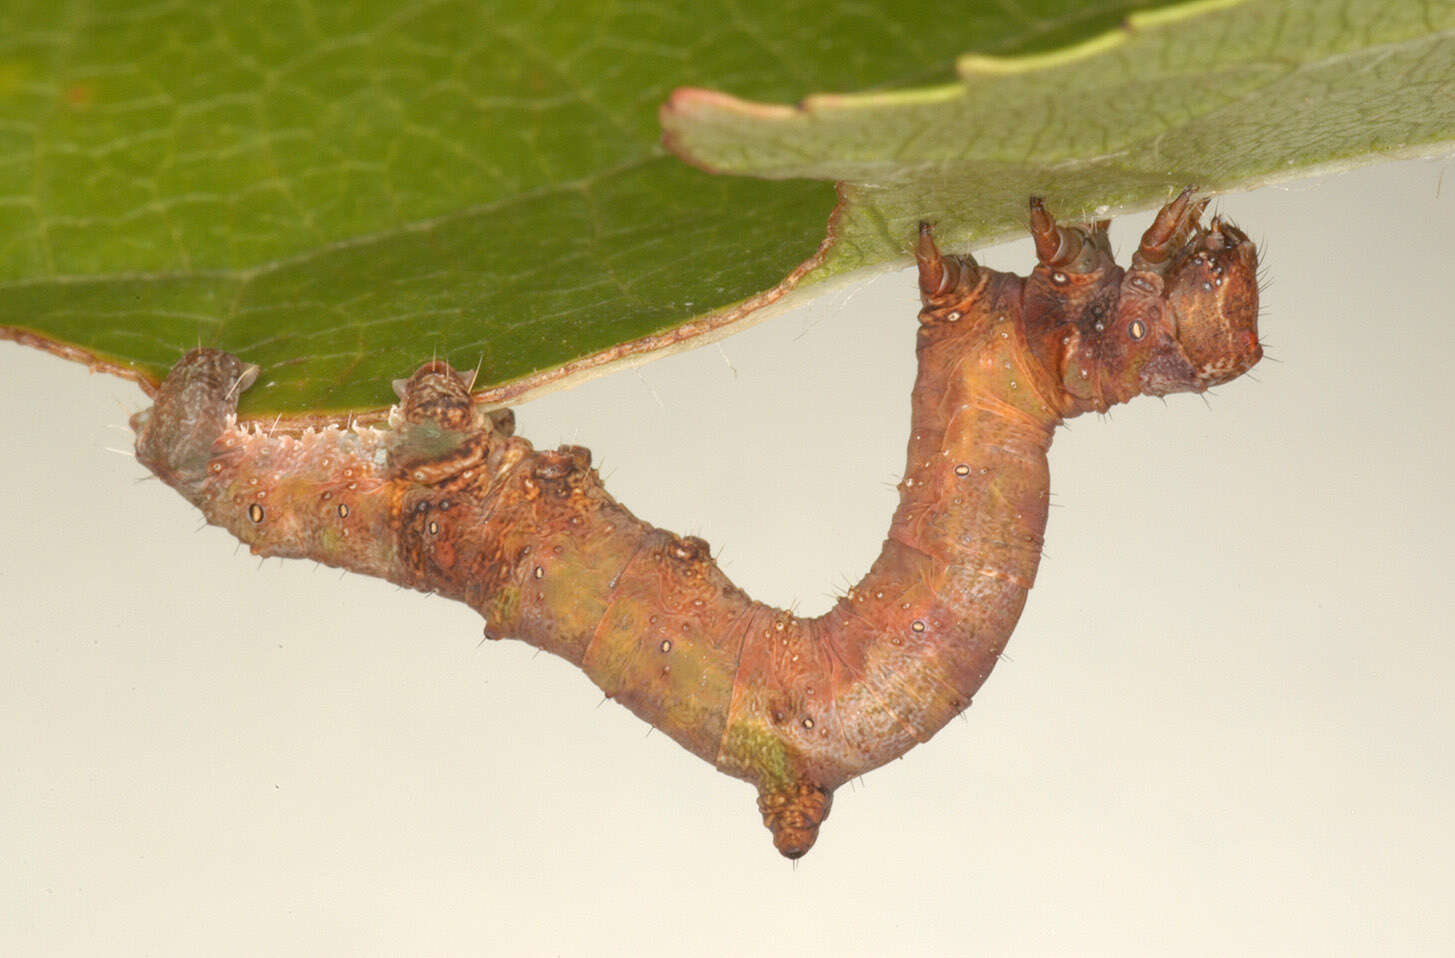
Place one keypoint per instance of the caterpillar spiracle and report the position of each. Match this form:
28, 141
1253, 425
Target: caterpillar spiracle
445, 499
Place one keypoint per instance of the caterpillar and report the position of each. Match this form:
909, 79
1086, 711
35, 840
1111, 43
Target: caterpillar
444, 498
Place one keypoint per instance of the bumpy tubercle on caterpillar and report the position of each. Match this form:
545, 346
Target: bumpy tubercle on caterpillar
446, 499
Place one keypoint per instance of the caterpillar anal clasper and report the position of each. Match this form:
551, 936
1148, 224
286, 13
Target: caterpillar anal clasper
445, 498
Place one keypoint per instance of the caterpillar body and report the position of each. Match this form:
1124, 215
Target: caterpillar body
444, 498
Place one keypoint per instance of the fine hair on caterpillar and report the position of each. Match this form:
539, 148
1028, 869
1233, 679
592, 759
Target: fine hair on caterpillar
444, 498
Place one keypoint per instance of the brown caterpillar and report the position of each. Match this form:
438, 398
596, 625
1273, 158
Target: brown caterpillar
446, 499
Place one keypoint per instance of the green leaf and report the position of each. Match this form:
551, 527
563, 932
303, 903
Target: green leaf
340, 191
1221, 93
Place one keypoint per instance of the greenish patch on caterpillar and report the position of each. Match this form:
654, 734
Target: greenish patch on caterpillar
762, 754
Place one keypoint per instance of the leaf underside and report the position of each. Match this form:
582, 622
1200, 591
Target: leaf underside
1222, 94
339, 192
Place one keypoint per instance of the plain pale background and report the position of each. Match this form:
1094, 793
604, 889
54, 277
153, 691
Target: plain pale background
1225, 725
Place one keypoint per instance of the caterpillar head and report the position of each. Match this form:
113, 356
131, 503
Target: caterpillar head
1187, 316
1213, 297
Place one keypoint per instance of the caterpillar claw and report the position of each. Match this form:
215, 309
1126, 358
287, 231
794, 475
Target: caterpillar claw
1083, 250
1168, 231
932, 272
943, 280
1057, 247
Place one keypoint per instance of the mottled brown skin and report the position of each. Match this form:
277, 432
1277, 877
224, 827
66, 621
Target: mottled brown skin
445, 499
